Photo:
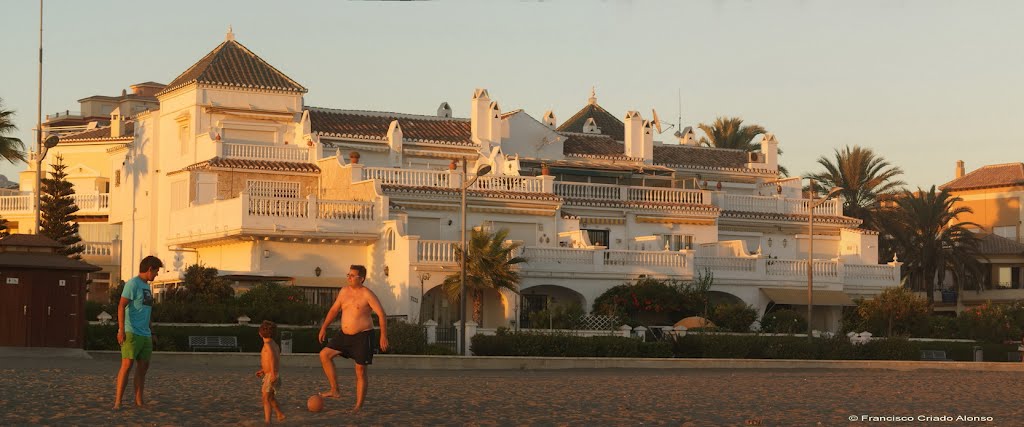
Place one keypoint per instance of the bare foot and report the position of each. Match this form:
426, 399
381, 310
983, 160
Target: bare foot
117, 406
330, 394
280, 416
356, 410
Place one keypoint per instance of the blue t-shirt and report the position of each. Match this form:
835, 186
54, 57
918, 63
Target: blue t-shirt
139, 308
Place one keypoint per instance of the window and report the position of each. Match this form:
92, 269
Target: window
179, 195
598, 237
1007, 231
389, 237
183, 138
279, 189
676, 242
1008, 278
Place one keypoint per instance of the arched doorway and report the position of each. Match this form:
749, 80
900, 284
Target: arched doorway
555, 298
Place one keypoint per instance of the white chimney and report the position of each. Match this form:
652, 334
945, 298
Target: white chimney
549, 120
479, 121
116, 123
687, 136
770, 151
590, 126
648, 142
959, 168
634, 134
395, 144
444, 110
494, 128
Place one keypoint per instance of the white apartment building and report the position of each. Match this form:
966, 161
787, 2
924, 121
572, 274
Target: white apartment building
232, 170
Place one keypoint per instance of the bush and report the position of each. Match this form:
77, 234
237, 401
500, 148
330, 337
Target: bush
195, 312
282, 304
896, 311
942, 327
405, 338
987, 322
655, 302
734, 317
784, 321
564, 345
557, 316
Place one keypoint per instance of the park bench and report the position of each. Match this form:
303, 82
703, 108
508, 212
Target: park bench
213, 343
934, 356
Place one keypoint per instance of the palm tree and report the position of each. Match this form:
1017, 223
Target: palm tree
489, 265
925, 228
11, 148
730, 132
864, 177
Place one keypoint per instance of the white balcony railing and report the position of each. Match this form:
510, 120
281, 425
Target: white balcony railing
586, 191
721, 263
408, 177
646, 258
542, 255
578, 190
515, 184
279, 207
778, 205
96, 202
267, 153
17, 204
88, 203
436, 252
666, 195
98, 249
798, 267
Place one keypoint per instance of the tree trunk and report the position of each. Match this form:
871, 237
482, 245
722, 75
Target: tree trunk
478, 307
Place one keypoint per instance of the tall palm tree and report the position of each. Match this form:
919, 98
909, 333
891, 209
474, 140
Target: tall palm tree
489, 265
11, 148
864, 177
730, 132
926, 229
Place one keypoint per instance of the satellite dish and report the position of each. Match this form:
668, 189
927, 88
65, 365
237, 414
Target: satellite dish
656, 120
214, 136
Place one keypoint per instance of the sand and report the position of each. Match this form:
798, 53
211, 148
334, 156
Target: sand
80, 392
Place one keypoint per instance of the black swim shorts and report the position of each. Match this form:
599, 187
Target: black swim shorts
357, 347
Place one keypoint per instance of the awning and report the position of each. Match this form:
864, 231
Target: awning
799, 297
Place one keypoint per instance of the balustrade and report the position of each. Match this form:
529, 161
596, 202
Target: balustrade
268, 152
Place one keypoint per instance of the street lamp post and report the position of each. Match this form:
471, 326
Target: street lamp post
810, 249
482, 170
45, 146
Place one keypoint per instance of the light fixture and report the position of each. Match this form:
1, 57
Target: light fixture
266, 253
386, 271
318, 271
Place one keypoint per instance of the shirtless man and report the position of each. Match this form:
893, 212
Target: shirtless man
353, 341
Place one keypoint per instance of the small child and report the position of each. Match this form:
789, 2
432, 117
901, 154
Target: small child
270, 362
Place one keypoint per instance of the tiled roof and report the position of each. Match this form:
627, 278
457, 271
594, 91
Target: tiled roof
48, 261
1004, 175
633, 204
477, 193
374, 126
592, 145
231, 64
606, 122
791, 217
29, 240
218, 162
597, 164
994, 244
100, 134
685, 155
510, 113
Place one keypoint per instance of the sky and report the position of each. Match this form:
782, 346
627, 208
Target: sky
922, 83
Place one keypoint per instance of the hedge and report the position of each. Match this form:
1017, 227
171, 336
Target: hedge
563, 345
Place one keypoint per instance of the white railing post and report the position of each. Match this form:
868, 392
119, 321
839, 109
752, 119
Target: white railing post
246, 203
431, 327
625, 331
312, 207
470, 333
547, 183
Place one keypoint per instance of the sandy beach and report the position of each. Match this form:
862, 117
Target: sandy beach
80, 392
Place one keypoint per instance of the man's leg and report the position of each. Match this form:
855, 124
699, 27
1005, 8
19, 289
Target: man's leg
361, 385
122, 381
266, 407
327, 356
140, 381
273, 403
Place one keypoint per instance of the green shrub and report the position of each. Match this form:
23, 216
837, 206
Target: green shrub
655, 302
282, 304
784, 321
894, 312
563, 345
176, 311
557, 316
987, 322
439, 350
405, 338
942, 327
734, 317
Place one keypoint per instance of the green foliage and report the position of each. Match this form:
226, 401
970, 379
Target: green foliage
896, 311
4, 231
783, 347
734, 317
652, 302
178, 311
94, 308
490, 265
563, 345
405, 338
115, 295
943, 327
279, 303
201, 285
988, 322
557, 316
784, 321
865, 179
57, 209
11, 148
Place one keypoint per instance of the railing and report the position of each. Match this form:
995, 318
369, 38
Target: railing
658, 259
518, 184
798, 267
410, 177
578, 190
11, 204
98, 248
436, 252
338, 209
666, 195
267, 152
779, 205
539, 255
96, 202
868, 272
278, 207
721, 263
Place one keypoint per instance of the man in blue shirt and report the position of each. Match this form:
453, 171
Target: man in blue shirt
134, 328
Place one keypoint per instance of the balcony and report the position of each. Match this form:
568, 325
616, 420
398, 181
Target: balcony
24, 204
273, 216
776, 205
612, 192
453, 180
795, 271
271, 153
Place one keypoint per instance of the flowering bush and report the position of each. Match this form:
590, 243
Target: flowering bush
988, 322
894, 312
653, 302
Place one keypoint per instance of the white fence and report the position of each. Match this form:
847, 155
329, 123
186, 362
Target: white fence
268, 152
436, 252
516, 184
408, 177
779, 205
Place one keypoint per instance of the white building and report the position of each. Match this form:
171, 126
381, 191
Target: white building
234, 171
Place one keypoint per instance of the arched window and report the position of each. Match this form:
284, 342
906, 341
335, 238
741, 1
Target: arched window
389, 237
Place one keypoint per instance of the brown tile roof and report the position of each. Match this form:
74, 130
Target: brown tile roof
232, 64
633, 204
1004, 175
597, 164
583, 144
218, 162
38, 260
477, 193
100, 134
606, 122
791, 217
29, 240
703, 157
374, 126
993, 244
510, 113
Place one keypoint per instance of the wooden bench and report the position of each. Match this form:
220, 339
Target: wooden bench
934, 356
213, 343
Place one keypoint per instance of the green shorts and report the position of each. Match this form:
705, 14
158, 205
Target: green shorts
136, 347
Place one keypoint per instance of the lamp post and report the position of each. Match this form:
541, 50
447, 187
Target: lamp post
810, 249
45, 146
482, 170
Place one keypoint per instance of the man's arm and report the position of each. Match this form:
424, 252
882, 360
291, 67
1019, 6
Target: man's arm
120, 319
376, 307
331, 314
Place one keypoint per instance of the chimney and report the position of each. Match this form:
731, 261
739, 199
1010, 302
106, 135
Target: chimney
770, 150
687, 136
590, 126
116, 123
444, 110
648, 144
549, 120
959, 168
395, 143
636, 127
478, 119
494, 127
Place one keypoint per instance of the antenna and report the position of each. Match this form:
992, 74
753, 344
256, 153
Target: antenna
679, 123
